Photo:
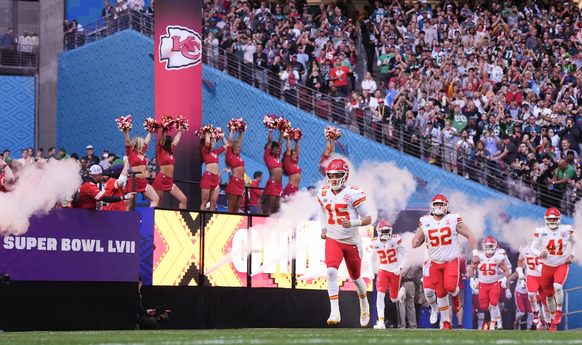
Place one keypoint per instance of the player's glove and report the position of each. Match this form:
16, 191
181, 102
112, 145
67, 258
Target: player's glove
398, 271
519, 271
504, 282
474, 285
508, 294
523, 284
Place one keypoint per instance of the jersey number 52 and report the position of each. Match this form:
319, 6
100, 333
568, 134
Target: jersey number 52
440, 237
336, 212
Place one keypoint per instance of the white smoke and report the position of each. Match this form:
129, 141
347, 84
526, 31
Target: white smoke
38, 189
494, 213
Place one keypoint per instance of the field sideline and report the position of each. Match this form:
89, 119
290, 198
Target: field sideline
292, 336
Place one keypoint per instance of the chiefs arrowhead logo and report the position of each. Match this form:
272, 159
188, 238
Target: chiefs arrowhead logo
180, 48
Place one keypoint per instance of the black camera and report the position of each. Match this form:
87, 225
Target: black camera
4, 278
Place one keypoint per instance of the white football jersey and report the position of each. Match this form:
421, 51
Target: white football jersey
388, 252
555, 242
488, 267
337, 207
441, 237
500, 273
533, 264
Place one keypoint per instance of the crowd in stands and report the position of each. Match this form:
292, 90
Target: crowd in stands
116, 16
466, 85
19, 50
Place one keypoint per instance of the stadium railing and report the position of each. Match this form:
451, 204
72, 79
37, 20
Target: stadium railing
22, 56
496, 175
107, 26
567, 311
300, 96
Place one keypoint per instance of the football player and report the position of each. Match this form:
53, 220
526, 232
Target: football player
488, 283
503, 292
343, 211
531, 276
552, 241
392, 256
441, 229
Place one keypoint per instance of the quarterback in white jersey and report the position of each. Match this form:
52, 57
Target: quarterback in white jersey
391, 254
343, 211
441, 231
491, 260
553, 239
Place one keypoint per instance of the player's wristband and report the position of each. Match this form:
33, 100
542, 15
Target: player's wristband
475, 252
357, 222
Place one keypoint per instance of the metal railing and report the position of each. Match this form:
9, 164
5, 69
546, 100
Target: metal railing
567, 311
104, 27
307, 99
405, 138
19, 56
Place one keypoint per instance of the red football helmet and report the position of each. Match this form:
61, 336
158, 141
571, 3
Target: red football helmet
384, 230
489, 245
337, 166
442, 208
553, 218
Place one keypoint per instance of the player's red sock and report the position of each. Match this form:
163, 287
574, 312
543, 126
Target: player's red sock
457, 303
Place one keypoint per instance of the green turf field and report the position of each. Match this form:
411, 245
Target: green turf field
293, 336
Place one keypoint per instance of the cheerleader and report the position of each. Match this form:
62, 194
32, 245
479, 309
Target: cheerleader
326, 155
164, 181
135, 151
236, 185
291, 168
210, 181
274, 187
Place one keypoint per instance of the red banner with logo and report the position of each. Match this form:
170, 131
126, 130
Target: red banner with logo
178, 80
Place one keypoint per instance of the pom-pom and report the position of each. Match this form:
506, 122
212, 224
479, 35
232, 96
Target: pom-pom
293, 134
217, 133
201, 132
124, 123
182, 124
332, 133
150, 125
237, 125
283, 124
167, 123
270, 121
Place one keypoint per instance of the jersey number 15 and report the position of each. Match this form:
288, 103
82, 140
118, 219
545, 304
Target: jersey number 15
340, 212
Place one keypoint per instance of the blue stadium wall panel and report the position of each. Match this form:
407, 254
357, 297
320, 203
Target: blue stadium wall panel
99, 82
87, 11
17, 111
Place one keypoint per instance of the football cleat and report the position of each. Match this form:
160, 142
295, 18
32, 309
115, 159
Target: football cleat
536, 318
500, 325
457, 303
492, 326
402, 294
434, 316
447, 325
334, 318
364, 319
553, 327
364, 312
558, 318
516, 326
380, 324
